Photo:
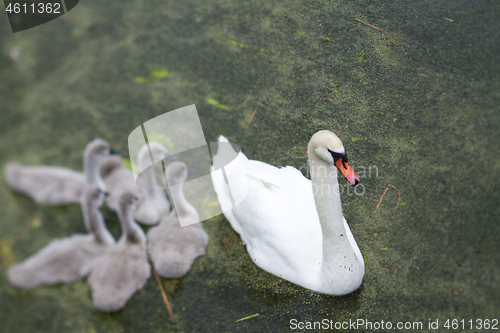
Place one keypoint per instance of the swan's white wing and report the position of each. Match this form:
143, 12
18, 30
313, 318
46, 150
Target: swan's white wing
221, 187
292, 243
354, 245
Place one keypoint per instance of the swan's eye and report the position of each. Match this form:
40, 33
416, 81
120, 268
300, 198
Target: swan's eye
337, 156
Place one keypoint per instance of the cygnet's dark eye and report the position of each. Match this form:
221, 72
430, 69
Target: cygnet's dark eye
113, 151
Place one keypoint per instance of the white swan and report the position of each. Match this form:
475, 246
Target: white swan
124, 268
49, 185
293, 227
67, 259
173, 248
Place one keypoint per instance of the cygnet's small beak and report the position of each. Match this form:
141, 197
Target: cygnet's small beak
347, 171
113, 151
106, 194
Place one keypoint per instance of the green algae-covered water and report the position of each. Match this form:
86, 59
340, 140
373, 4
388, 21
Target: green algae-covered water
417, 107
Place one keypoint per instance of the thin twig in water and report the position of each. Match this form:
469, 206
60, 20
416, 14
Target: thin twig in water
318, 100
382, 197
164, 295
253, 114
381, 30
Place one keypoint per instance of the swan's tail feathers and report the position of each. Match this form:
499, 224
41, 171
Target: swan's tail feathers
226, 155
222, 138
223, 152
229, 162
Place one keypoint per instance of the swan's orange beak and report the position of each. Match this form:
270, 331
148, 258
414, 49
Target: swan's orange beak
347, 171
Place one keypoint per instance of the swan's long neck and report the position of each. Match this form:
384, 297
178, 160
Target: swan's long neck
327, 198
340, 267
94, 222
130, 229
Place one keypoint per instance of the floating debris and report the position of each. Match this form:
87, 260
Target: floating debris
15, 53
230, 41
380, 30
361, 55
255, 315
382, 197
217, 104
164, 294
159, 73
155, 75
253, 114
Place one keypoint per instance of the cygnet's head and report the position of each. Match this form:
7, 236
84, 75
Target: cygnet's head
97, 148
158, 151
326, 146
177, 173
110, 164
127, 202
